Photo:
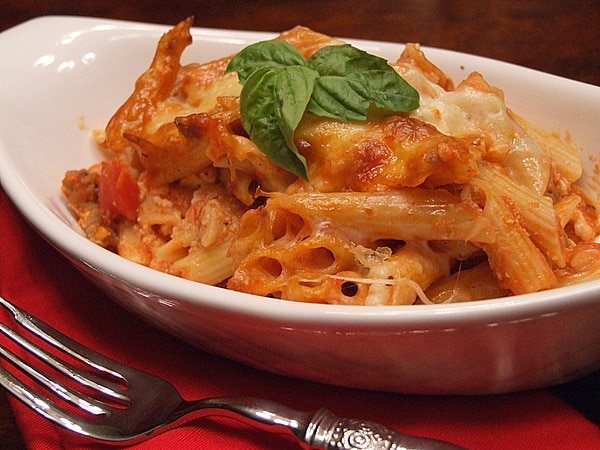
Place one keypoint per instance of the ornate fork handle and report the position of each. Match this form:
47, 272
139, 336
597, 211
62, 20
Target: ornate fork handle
334, 433
321, 429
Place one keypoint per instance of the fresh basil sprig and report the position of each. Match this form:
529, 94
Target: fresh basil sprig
339, 81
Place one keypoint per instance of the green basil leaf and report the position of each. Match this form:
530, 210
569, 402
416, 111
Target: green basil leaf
293, 91
264, 54
338, 60
339, 98
272, 103
352, 81
392, 92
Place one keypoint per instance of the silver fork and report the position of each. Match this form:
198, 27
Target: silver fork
128, 406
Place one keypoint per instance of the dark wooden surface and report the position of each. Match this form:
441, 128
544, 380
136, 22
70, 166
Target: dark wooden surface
556, 36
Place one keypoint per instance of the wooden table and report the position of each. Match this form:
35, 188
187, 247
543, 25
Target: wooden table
550, 35
553, 36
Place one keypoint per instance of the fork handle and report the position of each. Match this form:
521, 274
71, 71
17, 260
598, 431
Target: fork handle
321, 429
329, 432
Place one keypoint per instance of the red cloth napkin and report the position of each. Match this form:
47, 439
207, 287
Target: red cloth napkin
38, 278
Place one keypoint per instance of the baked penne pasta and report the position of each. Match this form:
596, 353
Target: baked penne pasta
456, 198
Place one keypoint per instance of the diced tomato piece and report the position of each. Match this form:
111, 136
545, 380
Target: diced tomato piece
118, 191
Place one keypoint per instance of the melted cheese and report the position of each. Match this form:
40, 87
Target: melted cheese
477, 111
380, 155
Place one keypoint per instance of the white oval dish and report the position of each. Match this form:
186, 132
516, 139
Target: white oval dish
62, 77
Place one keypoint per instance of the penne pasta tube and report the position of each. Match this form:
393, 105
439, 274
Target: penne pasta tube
565, 156
535, 212
517, 263
205, 266
411, 214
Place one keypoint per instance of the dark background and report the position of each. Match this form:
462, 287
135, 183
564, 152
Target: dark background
556, 36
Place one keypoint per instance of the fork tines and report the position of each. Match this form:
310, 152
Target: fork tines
72, 377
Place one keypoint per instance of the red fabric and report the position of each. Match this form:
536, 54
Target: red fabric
36, 277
